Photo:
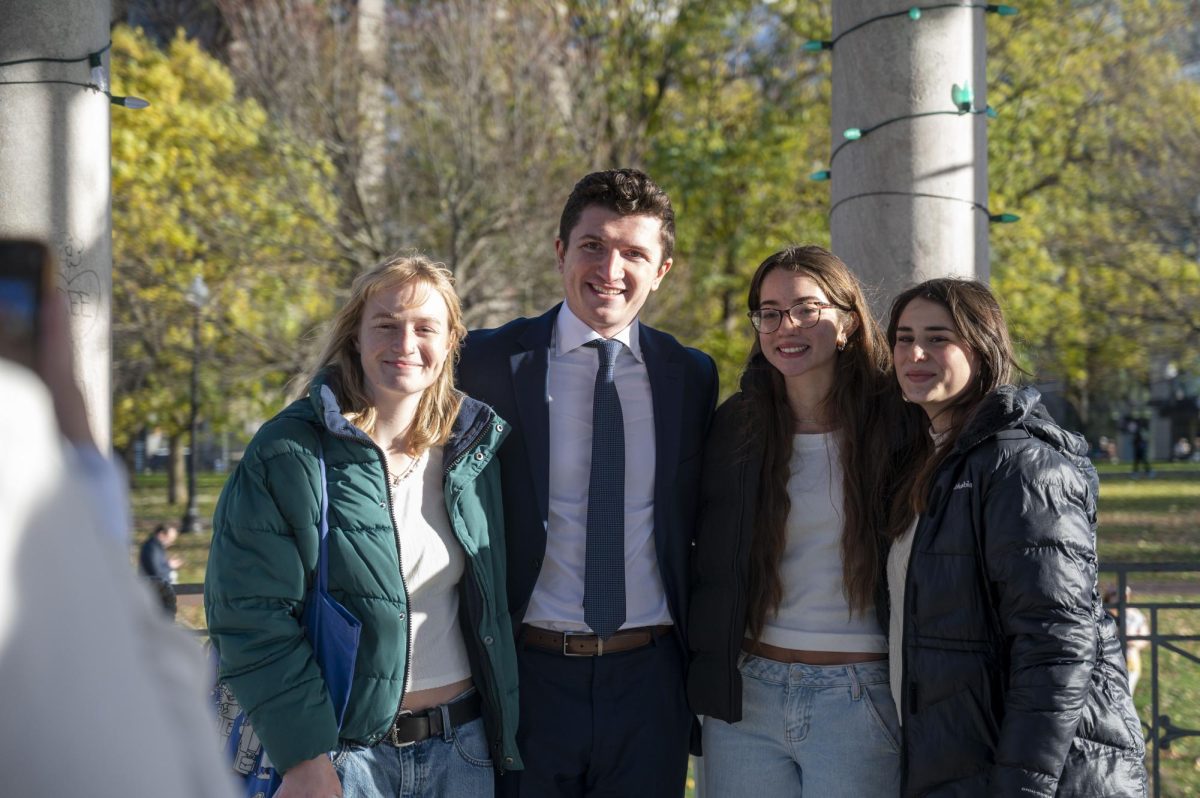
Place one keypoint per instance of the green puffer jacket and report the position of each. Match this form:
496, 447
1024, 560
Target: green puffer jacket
264, 552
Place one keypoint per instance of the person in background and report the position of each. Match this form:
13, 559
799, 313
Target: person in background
1141, 450
789, 660
160, 568
600, 484
415, 553
1136, 625
153, 560
102, 696
1009, 672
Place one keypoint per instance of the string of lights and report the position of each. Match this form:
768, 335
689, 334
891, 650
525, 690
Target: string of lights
996, 218
125, 102
91, 58
914, 13
964, 101
99, 79
962, 97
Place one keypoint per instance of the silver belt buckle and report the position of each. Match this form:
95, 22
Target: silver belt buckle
568, 635
394, 732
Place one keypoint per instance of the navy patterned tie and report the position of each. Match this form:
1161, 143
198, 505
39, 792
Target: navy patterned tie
604, 570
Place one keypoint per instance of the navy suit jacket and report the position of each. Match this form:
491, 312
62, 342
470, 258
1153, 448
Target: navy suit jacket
506, 367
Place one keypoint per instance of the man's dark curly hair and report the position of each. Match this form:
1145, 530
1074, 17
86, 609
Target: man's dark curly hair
627, 192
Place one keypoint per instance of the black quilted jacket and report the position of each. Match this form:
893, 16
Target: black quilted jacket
1014, 682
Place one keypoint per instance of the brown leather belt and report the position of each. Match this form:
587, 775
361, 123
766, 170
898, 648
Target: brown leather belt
413, 727
791, 656
579, 644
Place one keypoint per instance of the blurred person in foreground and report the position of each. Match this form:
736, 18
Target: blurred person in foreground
102, 696
415, 553
1008, 671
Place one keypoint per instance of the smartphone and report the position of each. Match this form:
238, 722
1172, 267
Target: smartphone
24, 282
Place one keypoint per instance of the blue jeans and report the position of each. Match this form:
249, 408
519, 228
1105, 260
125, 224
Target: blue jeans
818, 730
454, 765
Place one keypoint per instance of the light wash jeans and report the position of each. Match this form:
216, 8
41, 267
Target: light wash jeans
821, 731
455, 765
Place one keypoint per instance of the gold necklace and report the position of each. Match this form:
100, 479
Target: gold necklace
412, 466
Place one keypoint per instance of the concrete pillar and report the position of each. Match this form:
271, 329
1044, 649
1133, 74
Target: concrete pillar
55, 167
891, 68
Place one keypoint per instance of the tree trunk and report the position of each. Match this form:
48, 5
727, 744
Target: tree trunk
176, 471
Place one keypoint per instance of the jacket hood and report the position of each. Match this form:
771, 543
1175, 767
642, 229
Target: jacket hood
1010, 407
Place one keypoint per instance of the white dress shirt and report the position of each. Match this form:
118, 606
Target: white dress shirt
557, 601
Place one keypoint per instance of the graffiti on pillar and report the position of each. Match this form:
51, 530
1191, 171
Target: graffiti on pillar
79, 283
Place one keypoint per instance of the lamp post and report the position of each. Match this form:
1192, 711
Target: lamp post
197, 296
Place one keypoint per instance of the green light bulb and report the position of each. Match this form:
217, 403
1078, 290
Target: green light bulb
1004, 11
991, 112
1004, 218
824, 174
914, 13
962, 96
816, 45
852, 134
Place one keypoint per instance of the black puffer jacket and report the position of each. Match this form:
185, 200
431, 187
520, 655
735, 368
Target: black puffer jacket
1014, 683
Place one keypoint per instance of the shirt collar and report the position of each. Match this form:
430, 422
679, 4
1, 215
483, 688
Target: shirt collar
570, 333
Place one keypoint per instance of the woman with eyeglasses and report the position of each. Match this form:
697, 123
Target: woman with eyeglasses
789, 660
1008, 671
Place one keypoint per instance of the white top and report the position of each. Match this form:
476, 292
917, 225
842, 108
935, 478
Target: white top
897, 573
557, 601
83, 645
433, 561
814, 614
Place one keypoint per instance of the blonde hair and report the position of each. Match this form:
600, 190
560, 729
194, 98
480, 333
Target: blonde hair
339, 363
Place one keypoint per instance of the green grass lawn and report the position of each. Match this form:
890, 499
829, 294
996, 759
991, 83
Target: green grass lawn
1147, 519
1141, 520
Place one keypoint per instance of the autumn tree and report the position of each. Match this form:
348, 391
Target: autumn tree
465, 96
1097, 146
204, 184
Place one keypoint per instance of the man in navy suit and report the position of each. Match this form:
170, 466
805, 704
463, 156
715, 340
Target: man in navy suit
602, 714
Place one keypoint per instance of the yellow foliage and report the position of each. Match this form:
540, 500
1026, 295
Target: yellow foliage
199, 187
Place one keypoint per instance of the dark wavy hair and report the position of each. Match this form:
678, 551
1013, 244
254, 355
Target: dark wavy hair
627, 192
980, 324
853, 407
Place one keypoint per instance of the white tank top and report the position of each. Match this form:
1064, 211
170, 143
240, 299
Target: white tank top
814, 614
432, 561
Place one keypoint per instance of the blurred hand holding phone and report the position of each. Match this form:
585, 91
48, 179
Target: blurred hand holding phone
25, 283
35, 332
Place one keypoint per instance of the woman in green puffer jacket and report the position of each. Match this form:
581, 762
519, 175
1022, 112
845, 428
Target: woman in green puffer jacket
415, 552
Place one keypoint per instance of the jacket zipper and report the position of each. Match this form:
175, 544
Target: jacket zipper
488, 694
908, 689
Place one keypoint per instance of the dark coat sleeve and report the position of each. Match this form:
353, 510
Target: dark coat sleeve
264, 532
1039, 552
716, 620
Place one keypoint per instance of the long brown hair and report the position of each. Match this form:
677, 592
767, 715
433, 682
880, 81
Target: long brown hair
859, 378
979, 321
340, 361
